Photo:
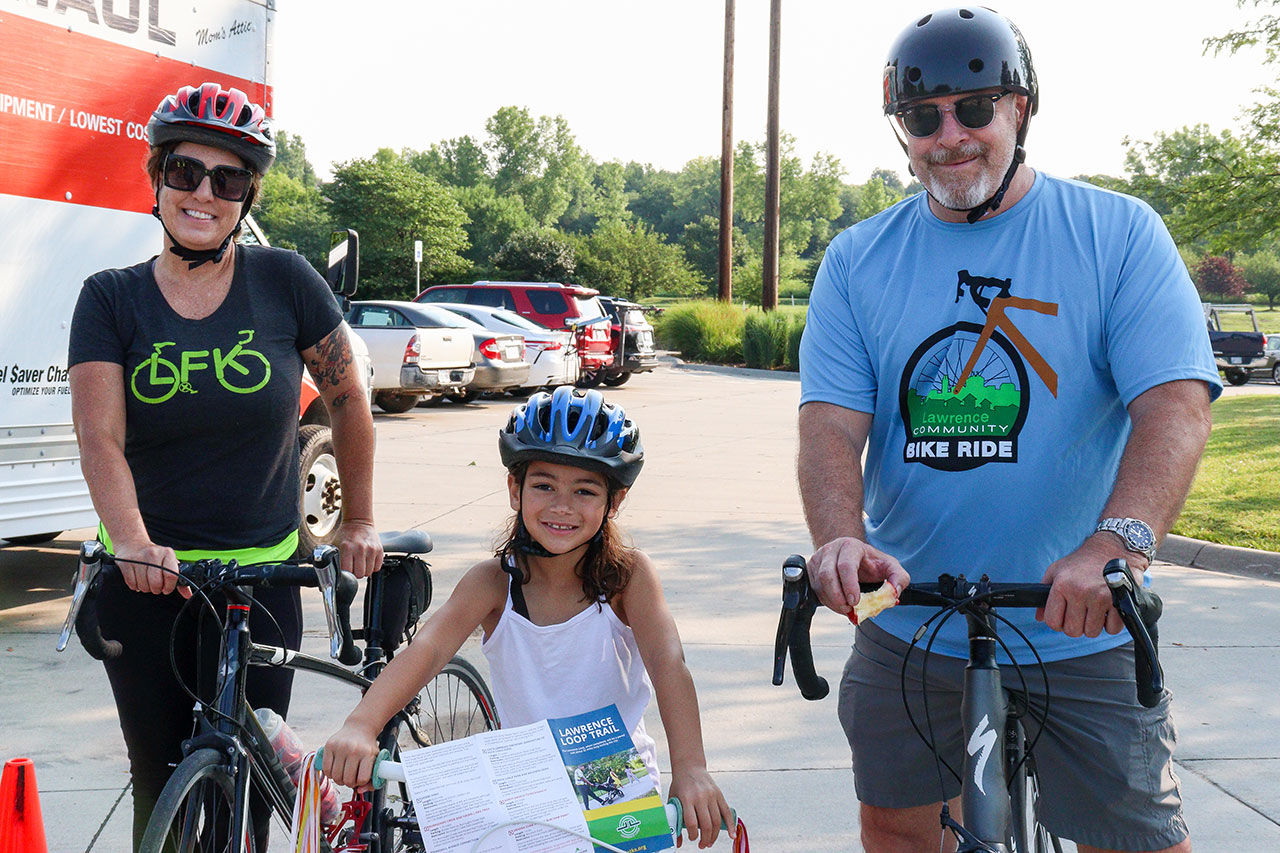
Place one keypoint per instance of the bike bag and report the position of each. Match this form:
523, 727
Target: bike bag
406, 594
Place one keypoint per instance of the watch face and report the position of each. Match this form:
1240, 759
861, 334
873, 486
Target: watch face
1139, 535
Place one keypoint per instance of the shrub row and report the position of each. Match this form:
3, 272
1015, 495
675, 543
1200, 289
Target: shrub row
727, 334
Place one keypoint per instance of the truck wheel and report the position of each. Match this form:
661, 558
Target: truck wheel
395, 404
613, 380
320, 494
590, 378
1275, 373
1237, 376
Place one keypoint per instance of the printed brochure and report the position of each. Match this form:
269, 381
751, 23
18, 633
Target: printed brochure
582, 773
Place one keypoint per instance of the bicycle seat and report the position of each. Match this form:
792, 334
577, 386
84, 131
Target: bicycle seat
408, 542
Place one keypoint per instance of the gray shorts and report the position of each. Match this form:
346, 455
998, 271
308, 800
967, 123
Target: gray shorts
1105, 762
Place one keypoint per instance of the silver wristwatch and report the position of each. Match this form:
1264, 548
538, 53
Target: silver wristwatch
1137, 535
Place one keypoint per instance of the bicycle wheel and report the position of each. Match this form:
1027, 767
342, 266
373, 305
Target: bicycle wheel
193, 813
454, 704
1027, 834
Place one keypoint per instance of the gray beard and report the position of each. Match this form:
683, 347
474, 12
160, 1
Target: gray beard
968, 196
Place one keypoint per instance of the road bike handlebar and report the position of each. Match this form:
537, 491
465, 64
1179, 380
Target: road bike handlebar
1139, 609
338, 589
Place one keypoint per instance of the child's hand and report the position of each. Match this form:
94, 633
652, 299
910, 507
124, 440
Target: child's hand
349, 756
704, 806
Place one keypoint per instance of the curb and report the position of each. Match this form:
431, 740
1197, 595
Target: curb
1227, 559
1178, 550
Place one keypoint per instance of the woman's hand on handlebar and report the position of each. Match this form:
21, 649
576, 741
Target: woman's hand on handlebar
360, 548
1080, 602
705, 808
349, 756
139, 564
837, 567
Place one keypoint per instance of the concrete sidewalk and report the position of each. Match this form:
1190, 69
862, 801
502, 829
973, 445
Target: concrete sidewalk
717, 509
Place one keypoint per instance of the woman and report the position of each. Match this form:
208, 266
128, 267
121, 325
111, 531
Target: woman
185, 373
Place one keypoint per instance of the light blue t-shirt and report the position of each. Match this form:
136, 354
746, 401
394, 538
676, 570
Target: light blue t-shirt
998, 360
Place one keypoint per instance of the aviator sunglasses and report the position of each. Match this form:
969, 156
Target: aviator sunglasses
227, 182
973, 112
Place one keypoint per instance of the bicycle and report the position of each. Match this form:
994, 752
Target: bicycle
999, 782
204, 806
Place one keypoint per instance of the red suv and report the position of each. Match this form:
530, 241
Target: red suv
557, 306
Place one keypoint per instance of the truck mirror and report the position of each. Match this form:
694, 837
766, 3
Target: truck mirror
344, 262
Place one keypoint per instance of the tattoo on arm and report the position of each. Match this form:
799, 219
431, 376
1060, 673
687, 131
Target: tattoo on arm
332, 359
341, 400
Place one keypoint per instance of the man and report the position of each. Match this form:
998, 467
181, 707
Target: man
1025, 362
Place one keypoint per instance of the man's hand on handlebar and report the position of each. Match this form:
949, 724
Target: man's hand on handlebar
360, 548
1080, 603
836, 568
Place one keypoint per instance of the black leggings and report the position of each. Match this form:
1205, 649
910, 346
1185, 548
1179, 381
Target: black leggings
155, 711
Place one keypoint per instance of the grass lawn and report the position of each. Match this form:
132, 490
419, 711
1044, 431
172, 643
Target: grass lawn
1235, 499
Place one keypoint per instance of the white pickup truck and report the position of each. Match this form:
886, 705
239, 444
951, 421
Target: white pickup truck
410, 361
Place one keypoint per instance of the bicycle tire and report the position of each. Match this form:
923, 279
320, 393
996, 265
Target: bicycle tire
455, 704
1024, 802
194, 805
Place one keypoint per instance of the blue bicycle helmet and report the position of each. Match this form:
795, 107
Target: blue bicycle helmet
573, 427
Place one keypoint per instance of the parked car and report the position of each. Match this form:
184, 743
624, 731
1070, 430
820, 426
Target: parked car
552, 356
633, 351
411, 357
1235, 353
554, 305
498, 356
1271, 351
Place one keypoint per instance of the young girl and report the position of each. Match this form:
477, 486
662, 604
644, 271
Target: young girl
573, 619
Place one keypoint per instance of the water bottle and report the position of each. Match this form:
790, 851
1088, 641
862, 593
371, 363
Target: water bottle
290, 751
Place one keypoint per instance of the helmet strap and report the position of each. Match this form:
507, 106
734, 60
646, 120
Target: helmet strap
194, 257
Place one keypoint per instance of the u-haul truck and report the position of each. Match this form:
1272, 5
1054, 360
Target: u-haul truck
78, 82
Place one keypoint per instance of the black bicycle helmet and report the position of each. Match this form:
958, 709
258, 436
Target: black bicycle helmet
212, 115
573, 427
965, 49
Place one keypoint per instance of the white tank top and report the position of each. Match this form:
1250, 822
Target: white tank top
590, 661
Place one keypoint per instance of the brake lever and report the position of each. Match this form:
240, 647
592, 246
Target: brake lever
325, 559
1139, 610
90, 564
786, 619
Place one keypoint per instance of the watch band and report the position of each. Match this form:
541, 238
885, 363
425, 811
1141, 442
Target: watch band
1135, 533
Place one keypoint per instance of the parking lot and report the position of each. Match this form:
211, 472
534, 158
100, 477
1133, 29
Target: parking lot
717, 509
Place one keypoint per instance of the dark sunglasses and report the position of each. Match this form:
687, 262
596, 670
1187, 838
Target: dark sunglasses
227, 182
974, 112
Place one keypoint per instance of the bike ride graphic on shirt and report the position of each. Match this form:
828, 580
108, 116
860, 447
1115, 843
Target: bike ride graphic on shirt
965, 393
237, 369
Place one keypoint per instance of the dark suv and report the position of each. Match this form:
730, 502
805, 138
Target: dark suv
633, 352
554, 305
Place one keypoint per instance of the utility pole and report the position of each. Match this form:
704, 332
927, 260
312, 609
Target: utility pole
769, 290
726, 161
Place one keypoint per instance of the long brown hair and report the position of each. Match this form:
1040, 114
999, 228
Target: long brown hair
606, 566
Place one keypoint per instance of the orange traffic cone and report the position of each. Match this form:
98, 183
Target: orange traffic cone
21, 826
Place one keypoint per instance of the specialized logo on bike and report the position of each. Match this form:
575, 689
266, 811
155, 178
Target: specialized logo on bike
239, 370
964, 393
981, 742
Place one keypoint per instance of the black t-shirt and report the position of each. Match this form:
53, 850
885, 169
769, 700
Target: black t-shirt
211, 405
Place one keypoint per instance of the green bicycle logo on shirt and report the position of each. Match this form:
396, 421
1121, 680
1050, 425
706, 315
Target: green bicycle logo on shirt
157, 379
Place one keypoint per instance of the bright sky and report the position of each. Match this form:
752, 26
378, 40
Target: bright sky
641, 79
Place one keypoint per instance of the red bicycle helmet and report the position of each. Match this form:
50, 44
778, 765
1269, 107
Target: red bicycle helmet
212, 115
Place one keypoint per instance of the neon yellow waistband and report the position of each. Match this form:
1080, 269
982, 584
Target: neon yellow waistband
284, 550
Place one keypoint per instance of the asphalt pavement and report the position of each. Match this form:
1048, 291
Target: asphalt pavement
717, 509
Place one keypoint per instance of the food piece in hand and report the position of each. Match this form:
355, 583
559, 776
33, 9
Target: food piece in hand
871, 603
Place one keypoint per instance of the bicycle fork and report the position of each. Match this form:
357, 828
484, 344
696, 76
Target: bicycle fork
984, 711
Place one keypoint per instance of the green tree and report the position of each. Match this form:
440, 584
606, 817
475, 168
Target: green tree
494, 219
291, 159
635, 262
700, 241
537, 256
538, 160
294, 216
391, 205
1262, 272
459, 162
